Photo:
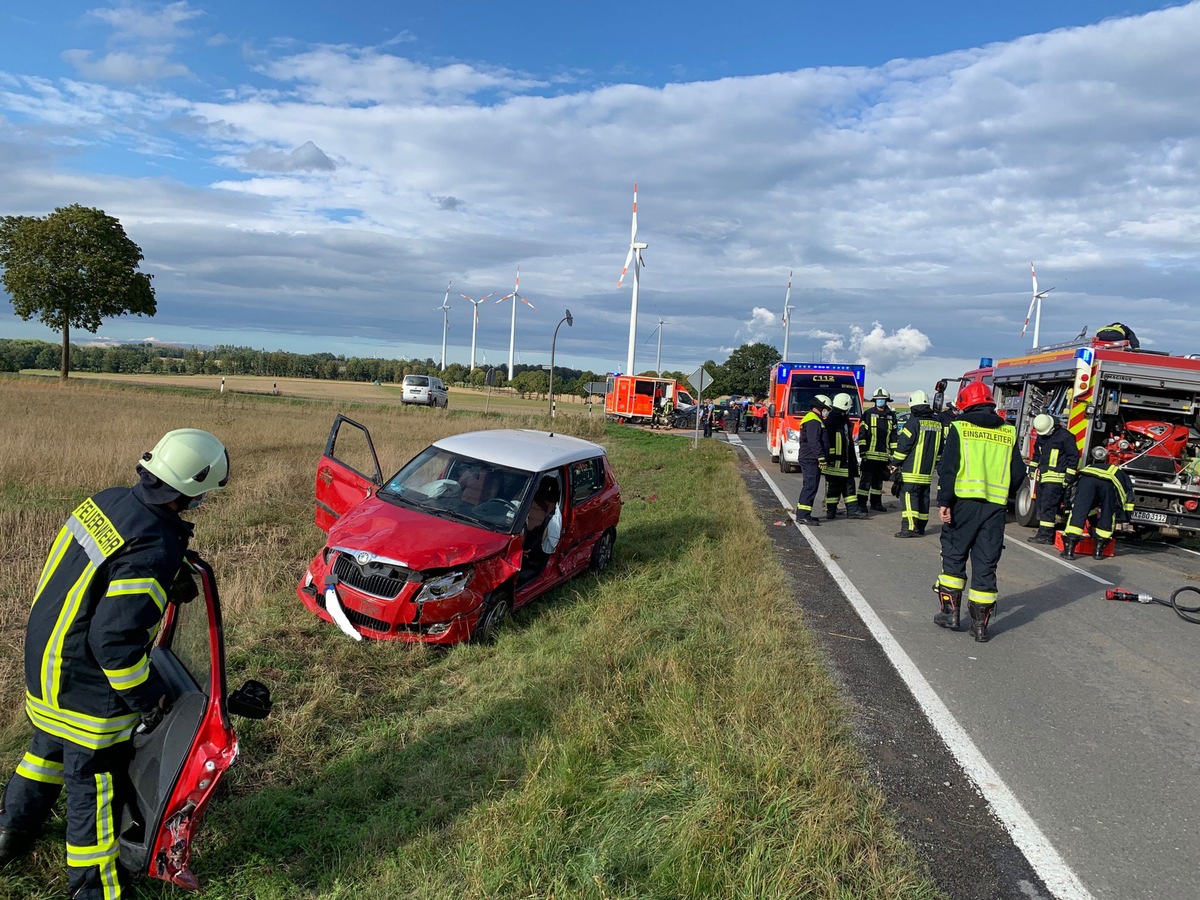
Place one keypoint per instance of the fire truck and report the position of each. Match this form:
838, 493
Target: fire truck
792, 389
631, 398
1139, 405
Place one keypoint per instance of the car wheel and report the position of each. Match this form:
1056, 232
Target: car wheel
783, 465
602, 551
495, 614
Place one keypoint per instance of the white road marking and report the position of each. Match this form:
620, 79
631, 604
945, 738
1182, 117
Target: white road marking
1045, 860
1059, 560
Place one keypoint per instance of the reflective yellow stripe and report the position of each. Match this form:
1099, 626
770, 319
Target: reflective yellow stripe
37, 769
130, 677
57, 550
123, 587
79, 728
1053, 461
52, 656
104, 823
985, 597
91, 855
96, 534
952, 582
984, 468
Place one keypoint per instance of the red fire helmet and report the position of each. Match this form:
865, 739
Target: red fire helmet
973, 394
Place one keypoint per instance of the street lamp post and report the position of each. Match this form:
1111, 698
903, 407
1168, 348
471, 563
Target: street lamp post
570, 322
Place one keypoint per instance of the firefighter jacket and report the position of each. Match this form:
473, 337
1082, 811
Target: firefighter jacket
96, 611
1055, 456
980, 460
814, 445
877, 434
840, 461
918, 446
1120, 480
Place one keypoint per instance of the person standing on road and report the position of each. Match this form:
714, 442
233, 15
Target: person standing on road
981, 469
841, 463
1103, 493
1055, 456
760, 416
814, 445
876, 443
708, 419
918, 446
89, 684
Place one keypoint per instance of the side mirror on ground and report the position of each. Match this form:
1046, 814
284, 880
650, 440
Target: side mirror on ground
251, 701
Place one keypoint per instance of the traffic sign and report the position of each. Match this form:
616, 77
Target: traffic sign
700, 379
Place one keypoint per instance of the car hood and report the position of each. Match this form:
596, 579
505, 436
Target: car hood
416, 539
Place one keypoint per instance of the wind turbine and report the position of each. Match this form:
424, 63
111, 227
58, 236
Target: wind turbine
658, 359
1036, 301
445, 308
475, 323
512, 334
635, 257
787, 319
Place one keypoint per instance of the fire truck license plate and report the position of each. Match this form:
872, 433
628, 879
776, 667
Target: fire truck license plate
1142, 516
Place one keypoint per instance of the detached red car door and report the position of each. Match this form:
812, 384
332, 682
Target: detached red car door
343, 483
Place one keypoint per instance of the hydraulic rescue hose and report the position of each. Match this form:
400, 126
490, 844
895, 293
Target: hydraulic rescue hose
1187, 613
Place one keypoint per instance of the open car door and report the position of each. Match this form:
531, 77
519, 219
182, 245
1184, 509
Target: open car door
342, 483
176, 767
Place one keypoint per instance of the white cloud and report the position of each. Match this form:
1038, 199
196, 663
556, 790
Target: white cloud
883, 353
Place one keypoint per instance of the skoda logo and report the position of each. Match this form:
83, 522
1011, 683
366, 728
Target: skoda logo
362, 557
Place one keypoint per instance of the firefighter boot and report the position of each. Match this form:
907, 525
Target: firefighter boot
14, 844
877, 504
951, 602
981, 613
1099, 545
1043, 536
1069, 542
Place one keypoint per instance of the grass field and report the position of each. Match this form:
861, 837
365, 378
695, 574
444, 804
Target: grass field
665, 730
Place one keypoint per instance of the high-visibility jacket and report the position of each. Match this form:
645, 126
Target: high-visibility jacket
813, 442
1120, 479
840, 461
980, 459
1055, 456
877, 434
96, 611
918, 446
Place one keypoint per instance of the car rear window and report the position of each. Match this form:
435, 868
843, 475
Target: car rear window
416, 381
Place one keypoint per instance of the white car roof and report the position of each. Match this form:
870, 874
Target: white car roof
525, 450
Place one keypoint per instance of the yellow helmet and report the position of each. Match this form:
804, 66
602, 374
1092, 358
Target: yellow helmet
189, 460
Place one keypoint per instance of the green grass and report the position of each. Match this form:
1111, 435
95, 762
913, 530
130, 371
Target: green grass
665, 730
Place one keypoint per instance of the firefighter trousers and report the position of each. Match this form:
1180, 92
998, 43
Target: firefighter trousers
976, 530
810, 472
837, 487
1050, 494
1090, 493
870, 485
915, 511
95, 782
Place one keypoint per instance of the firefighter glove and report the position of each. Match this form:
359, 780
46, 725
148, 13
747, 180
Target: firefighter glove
152, 718
184, 589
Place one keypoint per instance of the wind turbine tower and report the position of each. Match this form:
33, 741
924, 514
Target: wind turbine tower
635, 257
1036, 301
445, 308
475, 323
658, 358
787, 316
512, 334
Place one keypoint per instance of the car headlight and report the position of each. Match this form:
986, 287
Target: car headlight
791, 436
443, 587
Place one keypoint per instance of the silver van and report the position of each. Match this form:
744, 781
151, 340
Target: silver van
426, 390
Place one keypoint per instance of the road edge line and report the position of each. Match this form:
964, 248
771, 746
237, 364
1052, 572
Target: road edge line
1059, 878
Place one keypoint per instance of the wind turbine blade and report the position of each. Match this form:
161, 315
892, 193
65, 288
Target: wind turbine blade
628, 260
787, 298
1033, 272
1032, 300
527, 303
641, 262
633, 232
505, 297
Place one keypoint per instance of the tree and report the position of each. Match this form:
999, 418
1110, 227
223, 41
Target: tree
748, 370
75, 267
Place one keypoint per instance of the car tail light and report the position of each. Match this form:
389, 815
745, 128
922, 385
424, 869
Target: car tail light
1190, 505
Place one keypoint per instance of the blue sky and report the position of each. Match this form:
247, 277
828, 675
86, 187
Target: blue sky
309, 176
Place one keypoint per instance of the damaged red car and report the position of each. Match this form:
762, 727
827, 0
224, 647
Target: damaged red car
473, 527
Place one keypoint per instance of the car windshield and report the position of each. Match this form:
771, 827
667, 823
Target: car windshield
460, 488
801, 399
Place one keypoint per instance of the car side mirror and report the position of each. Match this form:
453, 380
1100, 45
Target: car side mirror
251, 701
939, 401
771, 411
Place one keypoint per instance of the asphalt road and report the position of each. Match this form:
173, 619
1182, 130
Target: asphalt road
1086, 709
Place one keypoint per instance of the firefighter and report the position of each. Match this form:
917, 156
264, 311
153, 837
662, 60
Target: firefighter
89, 683
1118, 332
876, 443
1103, 492
814, 445
1055, 456
980, 470
841, 463
918, 447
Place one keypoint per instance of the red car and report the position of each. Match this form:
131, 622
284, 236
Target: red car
472, 528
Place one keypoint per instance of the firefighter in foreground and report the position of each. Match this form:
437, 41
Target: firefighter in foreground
876, 443
918, 447
1104, 492
841, 462
1055, 458
980, 471
813, 447
89, 684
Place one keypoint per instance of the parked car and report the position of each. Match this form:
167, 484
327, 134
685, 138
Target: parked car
441, 552
426, 390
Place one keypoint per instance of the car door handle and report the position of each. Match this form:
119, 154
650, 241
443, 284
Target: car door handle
326, 475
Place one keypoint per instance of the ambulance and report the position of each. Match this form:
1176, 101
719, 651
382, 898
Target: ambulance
792, 388
630, 399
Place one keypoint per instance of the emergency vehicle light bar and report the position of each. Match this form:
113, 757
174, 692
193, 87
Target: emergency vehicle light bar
785, 370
